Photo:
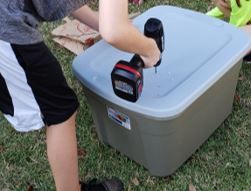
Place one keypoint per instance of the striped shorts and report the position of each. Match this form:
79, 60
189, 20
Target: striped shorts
33, 90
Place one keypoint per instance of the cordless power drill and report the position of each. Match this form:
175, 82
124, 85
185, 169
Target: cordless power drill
127, 77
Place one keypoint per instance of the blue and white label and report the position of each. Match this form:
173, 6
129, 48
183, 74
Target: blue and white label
119, 118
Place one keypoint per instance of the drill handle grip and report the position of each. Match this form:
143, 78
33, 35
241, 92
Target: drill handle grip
137, 61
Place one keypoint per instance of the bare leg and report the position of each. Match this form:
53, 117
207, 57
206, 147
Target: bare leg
62, 154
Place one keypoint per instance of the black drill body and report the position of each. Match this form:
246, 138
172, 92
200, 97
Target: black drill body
127, 77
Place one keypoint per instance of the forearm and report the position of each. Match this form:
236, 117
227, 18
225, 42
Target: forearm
87, 16
116, 29
128, 38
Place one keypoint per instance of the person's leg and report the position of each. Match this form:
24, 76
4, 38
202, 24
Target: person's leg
32, 84
62, 154
56, 107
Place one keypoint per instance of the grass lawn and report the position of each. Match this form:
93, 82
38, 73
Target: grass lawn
222, 163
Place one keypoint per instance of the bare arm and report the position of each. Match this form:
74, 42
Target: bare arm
86, 15
224, 6
116, 29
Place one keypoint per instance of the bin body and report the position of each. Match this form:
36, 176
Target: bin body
181, 105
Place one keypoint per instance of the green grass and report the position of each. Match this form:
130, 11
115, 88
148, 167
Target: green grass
221, 163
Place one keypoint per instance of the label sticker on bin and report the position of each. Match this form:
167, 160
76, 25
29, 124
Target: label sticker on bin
119, 118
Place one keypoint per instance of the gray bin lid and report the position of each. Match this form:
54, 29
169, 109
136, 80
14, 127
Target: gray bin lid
199, 50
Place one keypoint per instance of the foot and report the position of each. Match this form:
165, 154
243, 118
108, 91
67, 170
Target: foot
106, 185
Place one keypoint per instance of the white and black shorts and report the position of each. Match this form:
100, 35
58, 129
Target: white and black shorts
33, 90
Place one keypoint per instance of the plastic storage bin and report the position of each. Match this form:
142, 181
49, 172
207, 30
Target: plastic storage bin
181, 105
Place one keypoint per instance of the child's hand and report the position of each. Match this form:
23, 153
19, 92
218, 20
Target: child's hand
224, 6
153, 55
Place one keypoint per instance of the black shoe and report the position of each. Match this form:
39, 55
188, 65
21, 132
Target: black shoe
247, 59
106, 185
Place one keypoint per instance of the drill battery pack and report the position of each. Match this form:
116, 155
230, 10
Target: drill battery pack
127, 79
